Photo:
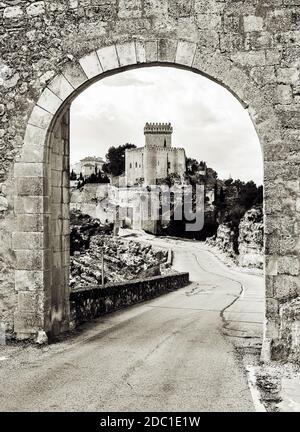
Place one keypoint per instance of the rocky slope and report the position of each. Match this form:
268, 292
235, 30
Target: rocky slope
123, 259
250, 240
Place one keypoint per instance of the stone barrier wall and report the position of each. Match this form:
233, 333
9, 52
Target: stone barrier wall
91, 303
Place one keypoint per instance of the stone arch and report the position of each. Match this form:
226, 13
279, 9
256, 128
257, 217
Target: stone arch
40, 239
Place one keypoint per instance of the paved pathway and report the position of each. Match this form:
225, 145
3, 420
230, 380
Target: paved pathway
168, 354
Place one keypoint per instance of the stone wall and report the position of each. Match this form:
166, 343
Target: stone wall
52, 50
89, 304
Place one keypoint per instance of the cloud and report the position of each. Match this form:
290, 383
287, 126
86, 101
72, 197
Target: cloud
208, 121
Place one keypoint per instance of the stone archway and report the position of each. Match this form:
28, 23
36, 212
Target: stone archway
40, 239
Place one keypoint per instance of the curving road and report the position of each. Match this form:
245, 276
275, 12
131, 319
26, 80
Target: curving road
169, 354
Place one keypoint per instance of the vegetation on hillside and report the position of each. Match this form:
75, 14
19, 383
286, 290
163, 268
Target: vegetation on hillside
116, 159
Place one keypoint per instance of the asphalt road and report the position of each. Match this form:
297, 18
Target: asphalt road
169, 354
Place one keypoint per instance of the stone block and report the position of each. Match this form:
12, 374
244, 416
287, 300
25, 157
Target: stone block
56, 178
208, 41
56, 195
271, 308
263, 75
29, 260
269, 286
207, 6
61, 87
253, 23
75, 74
34, 136
108, 57
251, 58
284, 94
289, 265
286, 287
167, 50
272, 329
290, 116
180, 8
151, 53
27, 280
91, 65
65, 195
30, 222
40, 117
27, 323
287, 75
271, 266
29, 204
208, 21
185, 53
126, 53
30, 186
140, 52
49, 101
27, 241
28, 169
12, 12
130, 9
214, 65
27, 301
273, 57
73, 4
36, 8
56, 243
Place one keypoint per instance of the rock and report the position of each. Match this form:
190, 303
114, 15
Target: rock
36, 8
123, 259
42, 338
3, 204
12, 12
251, 239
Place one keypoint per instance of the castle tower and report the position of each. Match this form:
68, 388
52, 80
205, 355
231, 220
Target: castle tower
158, 135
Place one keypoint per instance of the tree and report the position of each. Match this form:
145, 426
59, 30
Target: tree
211, 173
73, 176
249, 193
192, 166
116, 159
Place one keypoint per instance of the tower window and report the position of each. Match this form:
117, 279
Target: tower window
130, 165
165, 143
136, 164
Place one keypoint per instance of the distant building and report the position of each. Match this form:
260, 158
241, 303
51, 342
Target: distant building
157, 159
88, 166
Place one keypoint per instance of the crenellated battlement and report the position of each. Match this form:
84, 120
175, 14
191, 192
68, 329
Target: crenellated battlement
164, 149
135, 149
158, 128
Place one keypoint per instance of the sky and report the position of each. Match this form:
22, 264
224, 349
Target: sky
208, 121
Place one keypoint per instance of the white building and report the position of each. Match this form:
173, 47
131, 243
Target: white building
88, 166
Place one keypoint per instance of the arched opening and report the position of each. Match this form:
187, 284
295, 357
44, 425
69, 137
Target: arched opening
46, 154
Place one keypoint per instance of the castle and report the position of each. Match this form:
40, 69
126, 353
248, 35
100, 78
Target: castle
157, 159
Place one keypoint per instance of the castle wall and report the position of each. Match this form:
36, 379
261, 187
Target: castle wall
159, 162
159, 140
134, 165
